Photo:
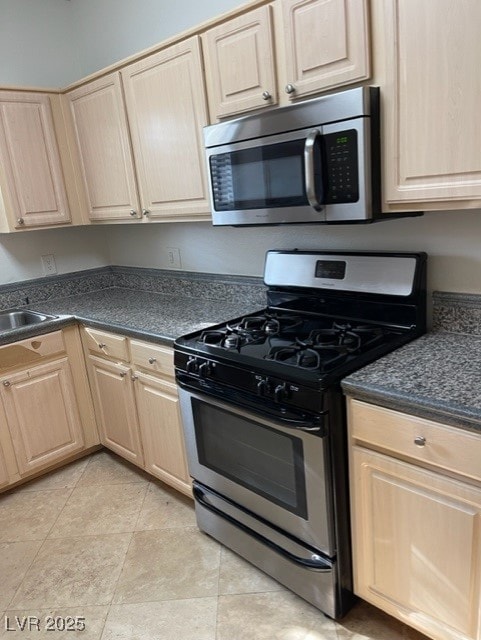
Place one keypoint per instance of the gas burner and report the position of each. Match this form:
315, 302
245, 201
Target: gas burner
306, 357
267, 324
211, 337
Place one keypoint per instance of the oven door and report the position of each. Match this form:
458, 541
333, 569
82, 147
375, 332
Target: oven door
277, 472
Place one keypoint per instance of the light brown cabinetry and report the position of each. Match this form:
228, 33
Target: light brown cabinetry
325, 44
159, 414
320, 44
32, 186
115, 404
166, 106
138, 139
416, 520
137, 404
4, 477
46, 415
239, 63
430, 102
103, 143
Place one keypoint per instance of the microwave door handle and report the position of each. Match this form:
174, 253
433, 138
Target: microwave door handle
309, 169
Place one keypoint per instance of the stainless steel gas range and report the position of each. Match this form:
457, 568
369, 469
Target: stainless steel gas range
264, 416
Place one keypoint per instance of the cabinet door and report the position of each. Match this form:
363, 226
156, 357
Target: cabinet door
42, 415
4, 479
417, 545
239, 64
431, 101
162, 433
102, 134
326, 44
30, 161
166, 107
115, 407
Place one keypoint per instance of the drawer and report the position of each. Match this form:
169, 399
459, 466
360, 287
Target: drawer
26, 352
154, 358
452, 449
106, 344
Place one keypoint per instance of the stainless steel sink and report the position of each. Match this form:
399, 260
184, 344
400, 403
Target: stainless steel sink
15, 318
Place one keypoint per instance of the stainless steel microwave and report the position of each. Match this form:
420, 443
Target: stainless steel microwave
316, 161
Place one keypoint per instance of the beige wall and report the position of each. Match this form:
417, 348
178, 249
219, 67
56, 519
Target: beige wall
452, 240
74, 250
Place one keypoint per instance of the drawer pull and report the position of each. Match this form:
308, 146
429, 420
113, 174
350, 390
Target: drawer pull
152, 360
122, 374
102, 345
6, 383
420, 441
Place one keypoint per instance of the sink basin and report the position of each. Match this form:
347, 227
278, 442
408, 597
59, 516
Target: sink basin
16, 318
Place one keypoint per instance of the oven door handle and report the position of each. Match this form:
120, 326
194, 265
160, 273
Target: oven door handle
309, 170
309, 425
312, 560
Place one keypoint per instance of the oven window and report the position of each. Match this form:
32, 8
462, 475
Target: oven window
262, 459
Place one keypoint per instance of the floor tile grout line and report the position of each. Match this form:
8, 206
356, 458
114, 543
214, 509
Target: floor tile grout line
218, 593
42, 541
121, 570
147, 490
105, 621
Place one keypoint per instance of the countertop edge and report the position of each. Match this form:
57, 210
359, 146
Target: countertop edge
415, 406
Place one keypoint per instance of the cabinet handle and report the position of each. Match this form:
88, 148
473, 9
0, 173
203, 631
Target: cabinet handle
420, 441
152, 360
6, 383
290, 88
20, 221
266, 95
101, 345
145, 212
134, 378
122, 374
133, 212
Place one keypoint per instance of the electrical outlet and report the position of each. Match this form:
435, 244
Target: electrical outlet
173, 258
49, 266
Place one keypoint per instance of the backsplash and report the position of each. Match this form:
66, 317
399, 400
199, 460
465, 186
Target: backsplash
246, 289
457, 312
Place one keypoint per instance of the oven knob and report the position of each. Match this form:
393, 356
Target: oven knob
263, 387
205, 370
281, 392
192, 365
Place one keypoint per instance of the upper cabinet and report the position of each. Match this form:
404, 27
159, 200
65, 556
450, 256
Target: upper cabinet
239, 63
32, 187
166, 107
321, 44
141, 156
430, 90
102, 137
325, 44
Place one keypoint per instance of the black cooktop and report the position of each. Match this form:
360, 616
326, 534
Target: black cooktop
291, 343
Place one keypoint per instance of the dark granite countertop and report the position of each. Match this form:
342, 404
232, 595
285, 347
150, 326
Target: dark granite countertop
156, 317
437, 376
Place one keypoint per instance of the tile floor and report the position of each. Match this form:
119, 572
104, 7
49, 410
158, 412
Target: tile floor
102, 540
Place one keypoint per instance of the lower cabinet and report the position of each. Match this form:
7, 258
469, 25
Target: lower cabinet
158, 408
416, 520
4, 477
42, 414
46, 413
136, 403
115, 404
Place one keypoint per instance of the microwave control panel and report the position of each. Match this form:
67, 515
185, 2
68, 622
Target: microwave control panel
342, 173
